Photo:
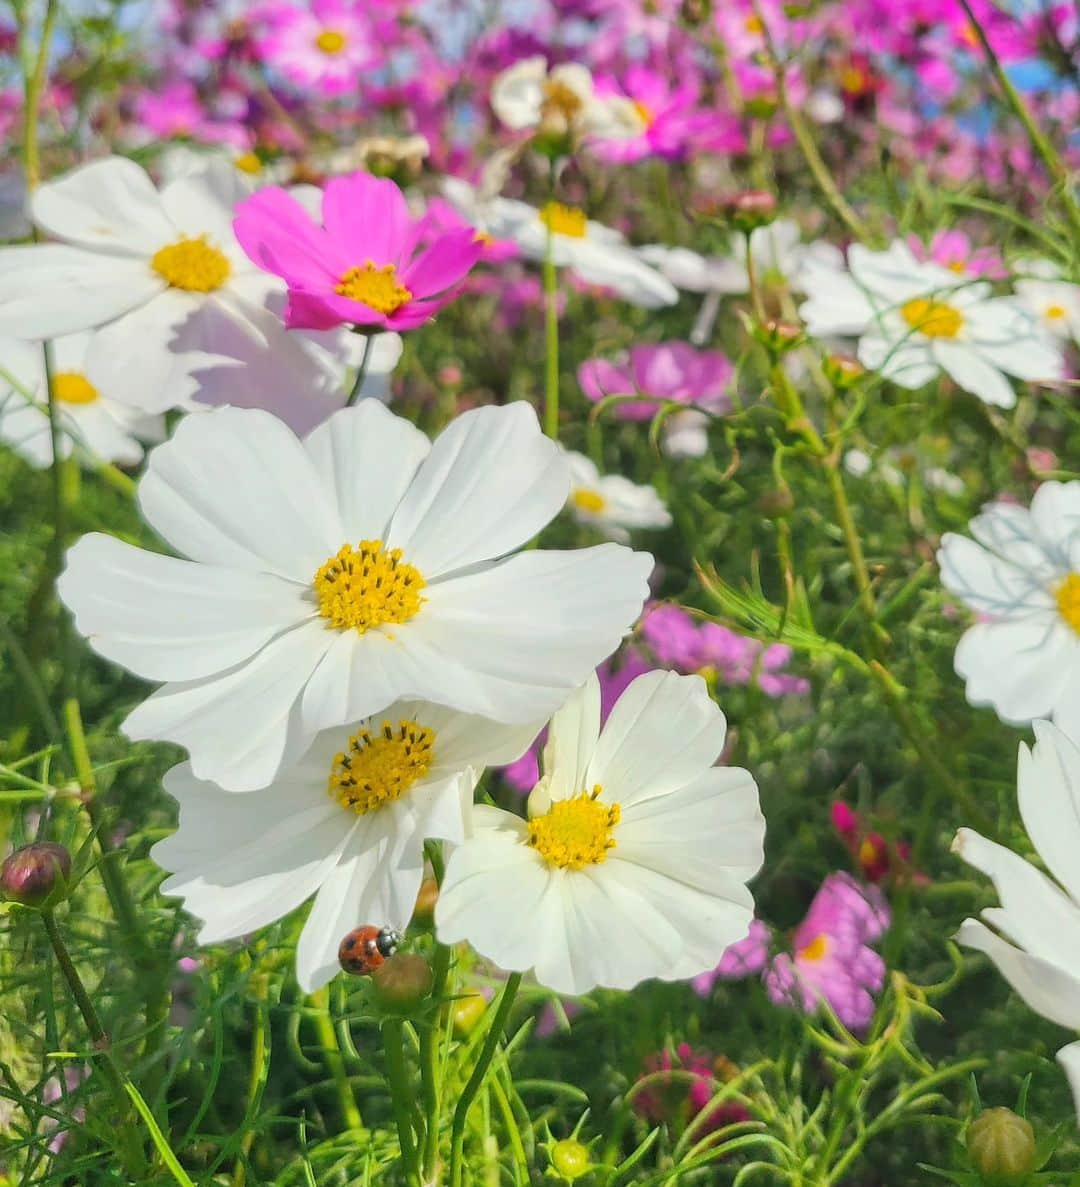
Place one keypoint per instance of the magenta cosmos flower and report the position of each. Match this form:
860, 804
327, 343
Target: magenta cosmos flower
370, 264
669, 371
831, 958
326, 47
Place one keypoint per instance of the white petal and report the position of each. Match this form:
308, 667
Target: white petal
1034, 913
988, 583
167, 619
1069, 1058
239, 727
572, 740
975, 374
1047, 989
235, 487
1048, 791
202, 204
366, 457
108, 206
664, 732
50, 289
491, 481
1020, 668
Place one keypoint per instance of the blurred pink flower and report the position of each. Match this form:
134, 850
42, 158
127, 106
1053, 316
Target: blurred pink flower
669, 371
674, 1098
327, 47
745, 958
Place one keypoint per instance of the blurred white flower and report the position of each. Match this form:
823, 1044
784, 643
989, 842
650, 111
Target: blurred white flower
1021, 576
561, 101
1055, 303
611, 503
332, 576
346, 824
634, 861
90, 423
916, 319
1034, 936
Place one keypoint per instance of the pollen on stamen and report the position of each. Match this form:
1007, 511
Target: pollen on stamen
367, 586
379, 767
193, 265
378, 288
575, 833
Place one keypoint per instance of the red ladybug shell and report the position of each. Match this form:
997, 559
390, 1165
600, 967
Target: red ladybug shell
365, 948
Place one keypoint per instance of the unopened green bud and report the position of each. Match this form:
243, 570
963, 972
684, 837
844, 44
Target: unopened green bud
750, 209
36, 875
777, 503
402, 982
570, 1159
842, 371
466, 1012
1001, 1146
778, 337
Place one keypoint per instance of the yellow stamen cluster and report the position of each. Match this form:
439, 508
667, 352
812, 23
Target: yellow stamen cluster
935, 319
380, 768
560, 101
367, 586
1055, 312
588, 500
331, 42
645, 113
72, 387
378, 288
816, 949
1068, 600
564, 220
248, 162
192, 264
575, 833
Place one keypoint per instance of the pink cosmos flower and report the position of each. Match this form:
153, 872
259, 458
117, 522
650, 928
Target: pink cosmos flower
672, 1098
671, 121
831, 958
327, 47
877, 858
955, 251
444, 216
669, 371
364, 266
745, 958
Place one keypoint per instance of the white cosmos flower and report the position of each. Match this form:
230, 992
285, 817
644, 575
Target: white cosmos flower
1034, 936
634, 862
347, 824
331, 576
1021, 576
162, 278
561, 100
916, 319
91, 423
598, 254
1055, 303
612, 503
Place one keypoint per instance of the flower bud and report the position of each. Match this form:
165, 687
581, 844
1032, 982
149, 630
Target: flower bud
36, 875
750, 209
570, 1159
777, 503
402, 982
466, 1012
778, 337
842, 371
1001, 1146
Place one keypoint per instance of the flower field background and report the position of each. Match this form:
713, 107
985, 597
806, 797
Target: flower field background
540, 593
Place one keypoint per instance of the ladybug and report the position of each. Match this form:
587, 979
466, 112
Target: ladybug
365, 948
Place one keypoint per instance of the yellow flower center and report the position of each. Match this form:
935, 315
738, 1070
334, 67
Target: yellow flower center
331, 42
560, 100
588, 500
868, 853
754, 24
1055, 312
645, 113
1068, 600
377, 288
192, 264
957, 266
564, 220
72, 387
575, 833
852, 80
367, 586
247, 162
816, 949
935, 319
378, 769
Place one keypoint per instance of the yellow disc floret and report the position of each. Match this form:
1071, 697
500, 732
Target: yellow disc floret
331, 42
378, 288
560, 101
575, 833
192, 264
816, 949
72, 387
367, 586
564, 220
587, 500
1068, 600
380, 767
935, 319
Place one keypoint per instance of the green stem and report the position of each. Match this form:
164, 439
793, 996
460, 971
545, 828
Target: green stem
131, 1150
1055, 167
33, 87
256, 1077
431, 1081
362, 370
393, 1036
551, 332
479, 1072
335, 1063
